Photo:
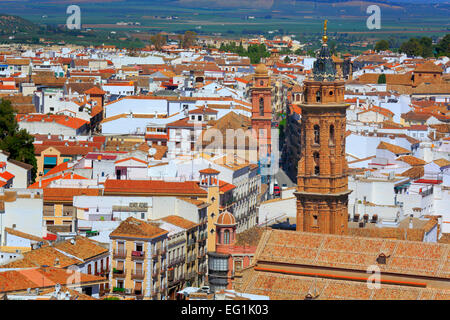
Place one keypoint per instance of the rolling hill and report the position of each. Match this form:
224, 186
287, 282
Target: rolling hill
11, 24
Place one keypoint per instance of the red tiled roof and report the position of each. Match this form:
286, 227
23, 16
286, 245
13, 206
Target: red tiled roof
6, 175
95, 91
410, 258
61, 167
209, 171
46, 182
74, 123
135, 228
225, 186
67, 194
392, 148
39, 278
180, 222
147, 187
131, 158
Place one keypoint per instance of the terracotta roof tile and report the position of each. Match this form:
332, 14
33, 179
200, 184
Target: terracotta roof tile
135, 228
354, 253
411, 160
42, 256
180, 222
392, 148
147, 187
83, 248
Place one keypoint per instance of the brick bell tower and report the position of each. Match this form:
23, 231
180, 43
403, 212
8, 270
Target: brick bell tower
262, 107
322, 180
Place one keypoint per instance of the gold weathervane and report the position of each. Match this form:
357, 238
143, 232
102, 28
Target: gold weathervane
325, 37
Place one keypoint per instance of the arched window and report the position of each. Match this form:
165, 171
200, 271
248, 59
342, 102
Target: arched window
226, 237
318, 96
261, 106
331, 134
261, 83
316, 134
315, 218
316, 163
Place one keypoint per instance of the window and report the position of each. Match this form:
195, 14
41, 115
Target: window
316, 163
218, 264
226, 237
318, 97
316, 134
89, 269
315, 218
332, 134
237, 265
261, 106
142, 215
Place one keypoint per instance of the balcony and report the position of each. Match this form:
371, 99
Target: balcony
137, 275
139, 294
155, 254
163, 251
119, 273
119, 290
177, 260
173, 282
191, 242
155, 292
137, 255
155, 273
163, 268
191, 258
119, 254
103, 273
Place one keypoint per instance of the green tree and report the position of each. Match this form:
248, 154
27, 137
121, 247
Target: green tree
158, 40
18, 143
287, 59
188, 39
381, 45
427, 47
443, 47
382, 78
412, 47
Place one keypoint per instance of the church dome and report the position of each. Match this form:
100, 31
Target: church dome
261, 69
226, 219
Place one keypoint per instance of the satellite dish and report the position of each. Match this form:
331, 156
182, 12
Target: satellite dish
152, 151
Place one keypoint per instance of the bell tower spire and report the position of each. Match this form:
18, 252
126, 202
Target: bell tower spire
325, 37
